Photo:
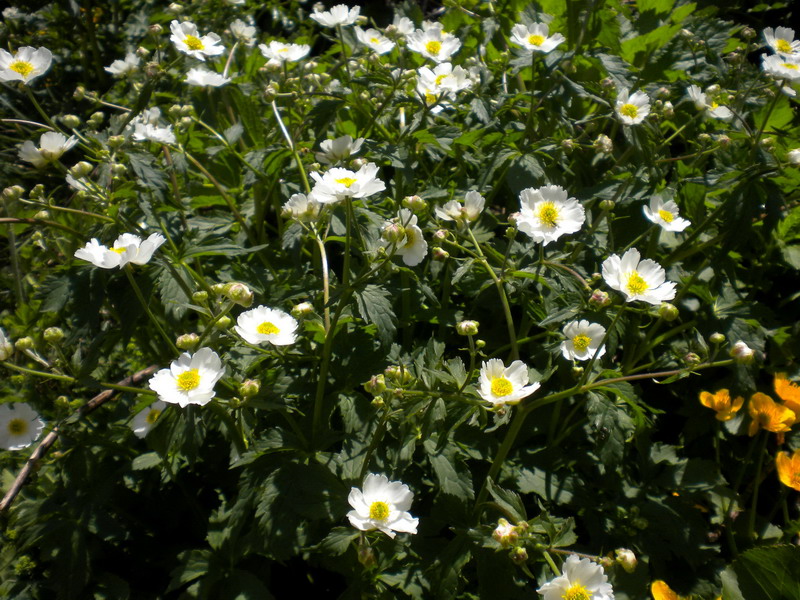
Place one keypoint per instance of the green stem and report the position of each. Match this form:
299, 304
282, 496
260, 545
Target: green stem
146, 308
12, 251
40, 110
763, 126
68, 379
551, 563
751, 521
347, 241
326, 294
292, 147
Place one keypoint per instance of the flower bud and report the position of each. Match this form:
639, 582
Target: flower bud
668, 110
667, 311
270, 92
142, 52
155, 29
480, 344
662, 92
376, 385
513, 218
152, 69
249, 388
439, 235
53, 335
366, 556
71, 121
505, 533
439, 254
748, 33
393, 233
467, 328
81, 170
79, 93
603, 144
302, 310
239, 293
704, 138
175, 8
691, 358
415, 204
223, 322
723, 140
62, 403
200, 296
96, 119
6, 348
13, 193
37, 191
359, 162
567, 145
218, 288
607, 205
42, 214
187, 341
577, 371
25, 343
607, 83
742, 353
519, 555
716, 338
794, 157
115, 141
118, 169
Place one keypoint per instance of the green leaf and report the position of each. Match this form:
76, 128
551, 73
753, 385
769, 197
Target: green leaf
452, 474
768, 573
148, 460
509, 501
612, 428
338, 540
374, 306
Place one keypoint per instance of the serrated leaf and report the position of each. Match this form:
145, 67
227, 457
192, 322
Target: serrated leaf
374, 306
769, 573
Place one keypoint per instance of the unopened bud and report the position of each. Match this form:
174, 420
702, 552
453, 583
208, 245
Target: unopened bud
415, 204
270, 92
200, 296
748, 33
393, 233
607, 205
376, 385
467, 328
219, 288
667, 311
240, 294
25, 343
723, 140
142, 52
567, 145
302, 310
71, 121
53, 335
519, 555
115, 141
81, 170
366, 556
62, 403
155, 29
513, 218
249, 387
175, 8
767, 143
223, 322
152, 69
37, 191
742, 353
794, 157
599, 299
118, 169
480, 344
6, 349
41, 215
359, 162
439, 254
717, 338
13, 193
662, 92
440, 234
577, 371
79, 93
691, 358
607, 83
604, 144
187, 341
505, 533
668, 110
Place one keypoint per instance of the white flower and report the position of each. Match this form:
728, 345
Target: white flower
782, 41
632, 110
205, 78
534, 37
243, 32
583, 340
793, 156
143, 422
336, 150
277, 52
190, 379
374, 39
412, 248
638, 280
336, 16
500, 385
6, 347
78, 184
154, 133
26, 64
581, 579
665, 214
188, 40
382, 504
337, 184
453, 211
20, 425
51, 146
546, 213
441, 83
711, 108
127, 248
302, 208
434, 43
403, 25
782, 67
262, 324
118, 68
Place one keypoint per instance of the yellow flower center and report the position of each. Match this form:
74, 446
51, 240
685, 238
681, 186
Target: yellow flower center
783, 46
501, 386
581, 342
666, 216
17, 426
119, 250
283, 49
188, 380
629, 110
439, 79
431, 98
535, 40
374, 40
790, 66
379, 511
194, 43
714, 105
267, 328
636, 285
577, 592
346, 181
22, 67
152, 416
548, 214
433, 47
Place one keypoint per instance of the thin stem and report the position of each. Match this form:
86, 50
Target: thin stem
751, 521
292, 147
12, 251
152, 317
40, 109
551, 563
68, 379
347, 241
326, 294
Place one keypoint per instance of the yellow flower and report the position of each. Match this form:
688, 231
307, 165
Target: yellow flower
661, 591
768, 414
720, 401
788, 391
789, 469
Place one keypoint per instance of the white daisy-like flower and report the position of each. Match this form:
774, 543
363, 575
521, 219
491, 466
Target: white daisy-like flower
382, 504
440, 84
154, 133
583, 340
243, 32
262, 324
204, 78
581, 579
143, 422
793, 156
665, 214
535, 37
339, 15
501, 385
337, 184
190, 379
643, 280
51, 146
374, 39
781, 40
412, 248
711, 108
127, 248
303, 208
20, 425
26, 64
434, 43
6, 347
337, 150
547, 213
403, 25
470, 211
782, 67
130, 63
189, 41
633, 109
277, 52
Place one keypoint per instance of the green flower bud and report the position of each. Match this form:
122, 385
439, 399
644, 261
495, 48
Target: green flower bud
118, 169
692, 358
393, 233
480, 344
626, 559
741, 353
599, 299
250, 387
415, 204
13, 193
376, 385
71, 121
200, 296
240, 294
667, 311
439, 254
79, 93
187, 341
607, 205
223, 322
37, 191
717, 338
53, 335
467, 328
96, 119
62, 403
218, 288
577, 371
115, 141
519, 555
302, 310
25, 343
81, 170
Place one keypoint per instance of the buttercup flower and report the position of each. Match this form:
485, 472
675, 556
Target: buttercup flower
720, 402
382, 504
712, 109
632, 110
303, 208
665, 214
262, 324
337, 150
782, 41
25, 65
470, 211
277, 52
51, 146
581, 579
502, 385
788, 391
205, 78
782, 67
412, 247
789, 469
145, 419
127, 248
638, 279
661, 591
337, 184
20, 425
374, 39
768, 414
547, 213
130, 63
583, 340
6, 347
336, 16
434, 43
189, 41
535, 37
190, 379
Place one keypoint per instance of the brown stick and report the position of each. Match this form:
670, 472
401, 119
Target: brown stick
51, 437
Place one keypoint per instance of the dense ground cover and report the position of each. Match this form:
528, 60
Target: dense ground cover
485, 301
